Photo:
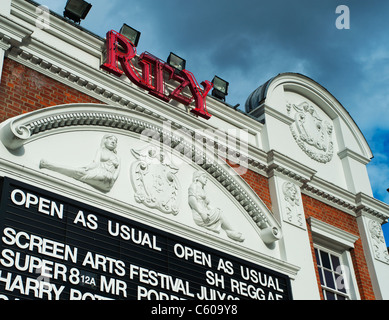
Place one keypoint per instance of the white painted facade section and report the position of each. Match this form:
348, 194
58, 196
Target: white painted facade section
329, 164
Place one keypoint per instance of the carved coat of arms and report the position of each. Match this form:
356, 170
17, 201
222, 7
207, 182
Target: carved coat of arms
311, 132
153, 177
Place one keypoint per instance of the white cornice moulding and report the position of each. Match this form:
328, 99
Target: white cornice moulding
279, 163
330, 194
354, 155
13, 32
328, 232
112, 90
368, 206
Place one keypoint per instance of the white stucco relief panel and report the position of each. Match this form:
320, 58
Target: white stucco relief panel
80, 158
311, 131
292, 205
314, 136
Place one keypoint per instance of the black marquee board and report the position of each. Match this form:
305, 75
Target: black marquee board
55, 248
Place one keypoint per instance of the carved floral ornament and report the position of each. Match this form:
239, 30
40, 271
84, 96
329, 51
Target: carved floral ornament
378, 242
294, 214
153, 175
312, 134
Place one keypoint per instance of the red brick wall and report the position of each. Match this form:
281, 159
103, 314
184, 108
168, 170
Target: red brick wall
23, 90
344, 221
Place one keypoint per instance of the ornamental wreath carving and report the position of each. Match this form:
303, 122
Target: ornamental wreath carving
312, 134
153, 177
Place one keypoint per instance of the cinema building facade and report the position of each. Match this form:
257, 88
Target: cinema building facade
123, 178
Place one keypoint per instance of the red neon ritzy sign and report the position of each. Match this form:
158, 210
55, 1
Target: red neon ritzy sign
153, 67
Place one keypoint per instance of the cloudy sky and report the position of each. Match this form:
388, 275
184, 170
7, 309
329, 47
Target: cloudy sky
246, 42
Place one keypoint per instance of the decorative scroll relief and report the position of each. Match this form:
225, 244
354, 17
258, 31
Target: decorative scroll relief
378, 242
101, 173
153, 177
293, 209
312, 134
